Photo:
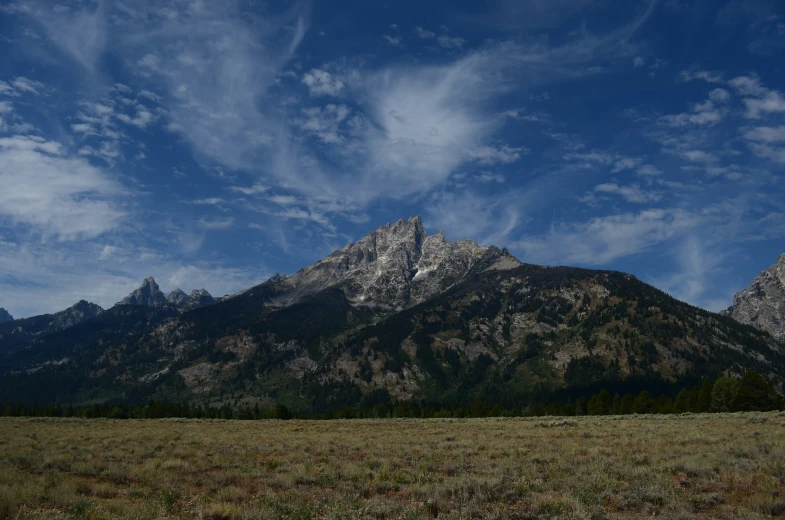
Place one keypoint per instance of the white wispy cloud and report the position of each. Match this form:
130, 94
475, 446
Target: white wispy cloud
216, 224
322, 83
425, 34
324, 122
604, 239
766, 134
450, 42
631, 193
256, 189
759, 100
216, 81
491, 155
55, 193
709, 112
395, 41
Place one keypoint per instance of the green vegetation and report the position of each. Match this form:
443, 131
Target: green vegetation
750, 393
719, 466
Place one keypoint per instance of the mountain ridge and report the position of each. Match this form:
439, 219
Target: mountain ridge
149, 294
19, 333
397, 315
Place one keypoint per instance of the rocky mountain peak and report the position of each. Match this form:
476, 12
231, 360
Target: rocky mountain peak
274, 279
177, 297
762, 304
197, 298
394, 266
78, 312
5, 317
86, 308
148, 294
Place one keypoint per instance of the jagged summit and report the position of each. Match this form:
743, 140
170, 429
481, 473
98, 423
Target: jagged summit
274, 279
148, 294
5, 317
762, 304
395, 266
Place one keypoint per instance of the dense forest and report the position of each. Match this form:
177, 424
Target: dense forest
751, 392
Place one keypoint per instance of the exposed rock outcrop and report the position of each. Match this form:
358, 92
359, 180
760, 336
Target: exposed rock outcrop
395, 266
762, 304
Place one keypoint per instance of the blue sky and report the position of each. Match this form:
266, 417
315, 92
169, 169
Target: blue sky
211, 144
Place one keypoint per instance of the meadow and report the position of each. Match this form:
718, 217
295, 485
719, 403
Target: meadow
679, 467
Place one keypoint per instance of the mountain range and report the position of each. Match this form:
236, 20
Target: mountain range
397, 315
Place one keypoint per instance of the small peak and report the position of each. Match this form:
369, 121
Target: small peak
196, 293
781, 259
5, 316
85, 307
149, 281
274, 279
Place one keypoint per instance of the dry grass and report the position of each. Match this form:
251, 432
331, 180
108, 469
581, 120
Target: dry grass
711, 466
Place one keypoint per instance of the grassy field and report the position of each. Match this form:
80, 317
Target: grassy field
702, 466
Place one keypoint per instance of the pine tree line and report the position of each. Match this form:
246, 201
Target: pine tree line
751, 392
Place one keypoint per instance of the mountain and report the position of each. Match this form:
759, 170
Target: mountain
5, 317
394, 266
147, 295
762, 304
397, 315
17, 334
197, 298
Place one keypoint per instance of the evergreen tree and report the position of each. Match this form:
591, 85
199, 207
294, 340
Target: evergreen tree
693, 402
723, 393
755, 393
703, 403
626, 404
643, 403
616, 406
682, 403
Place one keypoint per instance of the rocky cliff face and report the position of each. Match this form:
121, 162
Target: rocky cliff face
148, 295
762, 304
4, 316
395, 266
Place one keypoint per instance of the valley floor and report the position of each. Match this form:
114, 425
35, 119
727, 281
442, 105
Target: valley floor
699, 466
